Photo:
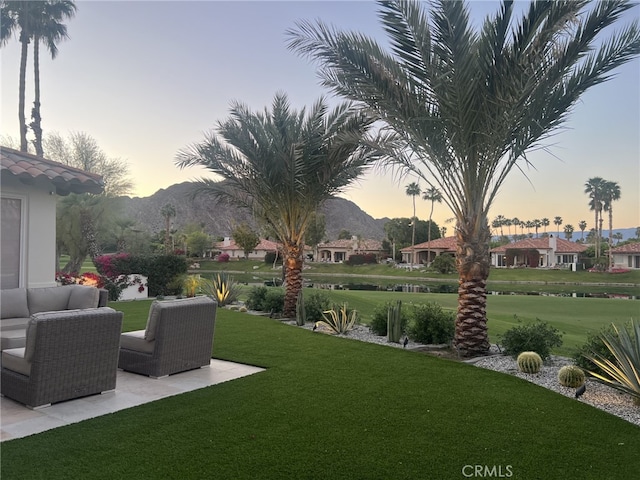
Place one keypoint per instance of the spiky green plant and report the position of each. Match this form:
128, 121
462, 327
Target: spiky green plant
222, 287
571, 376
622, 373
529, 362
191, 284
338, 321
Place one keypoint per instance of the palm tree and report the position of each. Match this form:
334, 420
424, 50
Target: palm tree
582, 225
545, 224
413, 190
462, 106
508, 222
610, 193
557, 221
431, 194
50, 30
568, 231
36, 20
594, 188
282, 165
500, 221
618, 236
168, 211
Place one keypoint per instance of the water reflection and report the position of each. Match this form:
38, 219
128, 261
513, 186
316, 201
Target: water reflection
453, 288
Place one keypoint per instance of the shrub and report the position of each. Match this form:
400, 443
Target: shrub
222, 287
594, 345
361, 259
444, 264
223, 257
529, 362
273, 301
190, 284
623, 373
270, 257
255, 298
539, 337
431, 324
571, 376
160, 272
378, 323
315, 303
338, 320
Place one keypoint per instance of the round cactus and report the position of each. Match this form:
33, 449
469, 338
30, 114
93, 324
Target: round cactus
571, 376
529, 362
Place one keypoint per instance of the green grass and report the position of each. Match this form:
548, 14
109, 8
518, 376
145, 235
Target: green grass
330, 408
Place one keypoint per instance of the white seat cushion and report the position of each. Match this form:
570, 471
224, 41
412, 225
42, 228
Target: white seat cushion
136, 341
13, 359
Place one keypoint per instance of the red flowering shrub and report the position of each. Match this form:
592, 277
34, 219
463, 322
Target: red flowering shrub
223, 257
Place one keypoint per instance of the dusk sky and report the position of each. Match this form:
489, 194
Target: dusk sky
148, 78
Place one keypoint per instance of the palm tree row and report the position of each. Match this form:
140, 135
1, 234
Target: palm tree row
37, 21
500, 221
602, 193
431, 194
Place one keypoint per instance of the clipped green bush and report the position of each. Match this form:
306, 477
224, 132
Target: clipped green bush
316, 302
571, 376
529, 362
594, 346
444, 263
430, 323
379, 319
273, 301
255, 298
537, 337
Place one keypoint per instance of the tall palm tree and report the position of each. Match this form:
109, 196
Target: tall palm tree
557, 221
168, 211
282, 165
413, 190
433, 195
582, 225
49, 28
463, 106
568, 231
610, 194
545, 223
594, 188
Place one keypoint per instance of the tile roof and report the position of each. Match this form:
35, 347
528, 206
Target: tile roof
446, 244
628, 248
29, 168
562, 246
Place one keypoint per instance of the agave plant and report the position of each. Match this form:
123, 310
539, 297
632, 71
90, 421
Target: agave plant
222, 287
340, 321
622, 373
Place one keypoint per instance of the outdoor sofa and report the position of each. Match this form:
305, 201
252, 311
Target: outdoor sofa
68, 354
18, 304
178, 337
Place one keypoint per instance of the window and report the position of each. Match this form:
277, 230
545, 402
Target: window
10, 242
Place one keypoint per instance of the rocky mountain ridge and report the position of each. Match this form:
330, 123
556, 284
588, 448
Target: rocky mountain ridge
219, 220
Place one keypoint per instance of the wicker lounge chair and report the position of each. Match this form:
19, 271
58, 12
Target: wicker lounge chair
178, 337
68, 354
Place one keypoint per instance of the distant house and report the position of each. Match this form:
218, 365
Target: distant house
543, 252
341, 250
231, 248
30, 185
626, 256
425, 252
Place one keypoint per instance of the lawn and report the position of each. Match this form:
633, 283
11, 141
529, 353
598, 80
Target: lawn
332, 408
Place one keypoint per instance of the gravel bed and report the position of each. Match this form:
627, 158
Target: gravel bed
596, 394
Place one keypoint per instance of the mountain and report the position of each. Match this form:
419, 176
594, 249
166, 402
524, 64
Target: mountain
219, 220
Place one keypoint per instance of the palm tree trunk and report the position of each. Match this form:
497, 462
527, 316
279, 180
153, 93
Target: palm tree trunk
429, 236
597, 252
35, 112
293, 277
24, 39
610, 232
472, 259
